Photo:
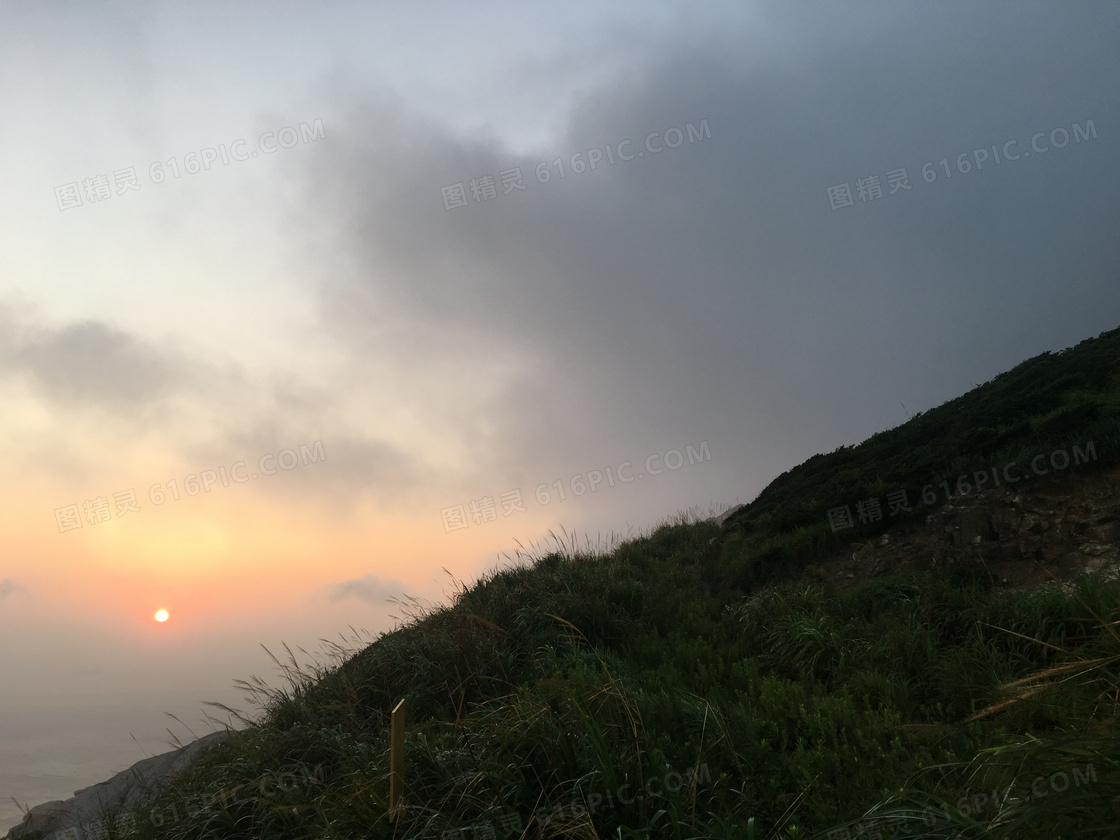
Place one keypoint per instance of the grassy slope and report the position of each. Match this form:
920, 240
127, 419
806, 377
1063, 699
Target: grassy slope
1053, 401
681, 665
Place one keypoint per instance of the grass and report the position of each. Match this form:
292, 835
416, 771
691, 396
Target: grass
684, 684
654, 713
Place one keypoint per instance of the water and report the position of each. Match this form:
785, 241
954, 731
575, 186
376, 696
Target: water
53, 745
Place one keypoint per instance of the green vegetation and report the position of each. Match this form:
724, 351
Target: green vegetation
685, 684
1055, 401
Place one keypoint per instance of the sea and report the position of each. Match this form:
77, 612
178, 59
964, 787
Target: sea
52, 745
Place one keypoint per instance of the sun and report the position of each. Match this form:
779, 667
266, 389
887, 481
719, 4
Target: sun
162, 615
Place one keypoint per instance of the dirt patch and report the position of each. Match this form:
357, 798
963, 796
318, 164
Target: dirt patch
1052, 529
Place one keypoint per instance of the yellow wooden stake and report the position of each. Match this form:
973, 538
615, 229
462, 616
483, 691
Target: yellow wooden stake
396, 760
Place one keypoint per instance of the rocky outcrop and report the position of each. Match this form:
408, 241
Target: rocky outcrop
81, 816
721, 518
1021, 537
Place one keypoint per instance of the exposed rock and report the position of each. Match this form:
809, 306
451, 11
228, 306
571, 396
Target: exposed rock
1022, 538
79, 818
721, 518
1094, 549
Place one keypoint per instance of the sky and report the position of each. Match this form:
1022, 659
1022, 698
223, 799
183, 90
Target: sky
306, 311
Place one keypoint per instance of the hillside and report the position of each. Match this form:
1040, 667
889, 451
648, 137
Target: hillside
790, 671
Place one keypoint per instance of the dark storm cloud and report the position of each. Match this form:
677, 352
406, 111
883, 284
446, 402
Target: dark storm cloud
710, 290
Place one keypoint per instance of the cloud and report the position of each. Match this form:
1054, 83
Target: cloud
366, 588
9, 587
213, 414
709, 291
371, 466
87, 362
346, 469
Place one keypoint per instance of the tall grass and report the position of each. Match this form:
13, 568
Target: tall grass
548, 687
684, 683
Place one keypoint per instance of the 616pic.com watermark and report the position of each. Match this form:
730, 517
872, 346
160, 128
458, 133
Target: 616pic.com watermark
870, 188
869, 510
484, 510
97, 509
97, 188
483, 187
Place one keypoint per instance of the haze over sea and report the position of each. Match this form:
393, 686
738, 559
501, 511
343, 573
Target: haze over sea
54, 744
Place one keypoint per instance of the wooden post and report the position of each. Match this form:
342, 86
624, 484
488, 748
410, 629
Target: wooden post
396, 761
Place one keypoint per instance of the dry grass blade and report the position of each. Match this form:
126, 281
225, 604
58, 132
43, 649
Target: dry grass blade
1069, 670
485, 622
780, 824
1075, 667
1027, 638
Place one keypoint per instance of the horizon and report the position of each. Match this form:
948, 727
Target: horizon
305, 315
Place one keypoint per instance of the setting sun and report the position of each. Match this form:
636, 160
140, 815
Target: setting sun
162, 615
